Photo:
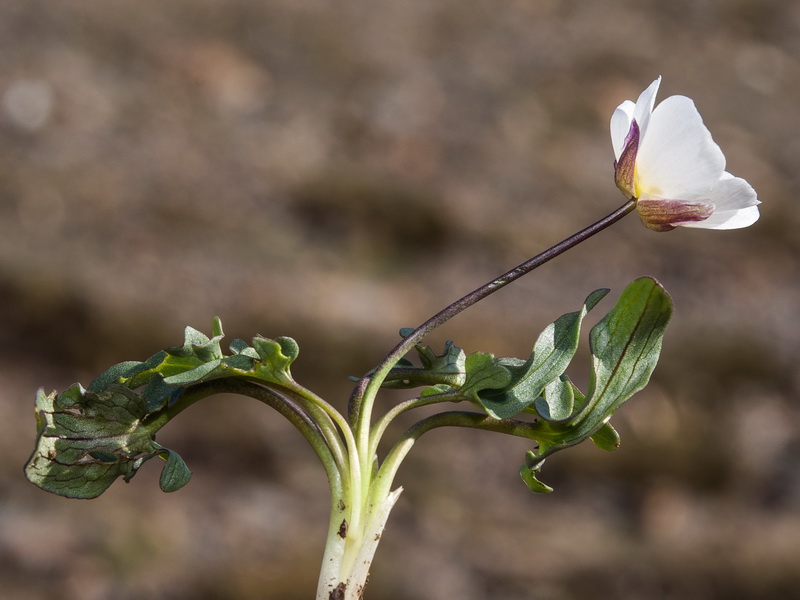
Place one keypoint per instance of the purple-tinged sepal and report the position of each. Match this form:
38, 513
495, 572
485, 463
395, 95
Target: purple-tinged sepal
665, 215
625, 167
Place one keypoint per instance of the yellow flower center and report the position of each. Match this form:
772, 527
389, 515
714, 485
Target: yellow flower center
641, 188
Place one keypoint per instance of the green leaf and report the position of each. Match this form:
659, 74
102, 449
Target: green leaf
551, 355
276, 357
193, 375
86, 440
625, 346
528, 473
113, 374
485, 372
240, 347
447, 368
144, 374
175, 474
557, 401
175, 363
200, 358
606, 438
158, 394
165, 363
89, 438
435, 390
187, 364
216, 328
241, 362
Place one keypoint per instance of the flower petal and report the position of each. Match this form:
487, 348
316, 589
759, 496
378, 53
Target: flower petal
620, 126
733, 193
645, 104
736, 205
627, 111
677, 157
730, 219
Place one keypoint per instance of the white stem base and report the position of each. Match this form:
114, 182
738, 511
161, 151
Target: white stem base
347, 559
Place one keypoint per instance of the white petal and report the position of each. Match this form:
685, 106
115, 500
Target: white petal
729, 219
645, 104
677, 158
732, 193
620, 126
736, 205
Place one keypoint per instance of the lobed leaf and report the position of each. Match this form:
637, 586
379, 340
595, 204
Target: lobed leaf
446, 369
87, 440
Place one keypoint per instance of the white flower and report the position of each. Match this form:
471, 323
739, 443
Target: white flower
667, 161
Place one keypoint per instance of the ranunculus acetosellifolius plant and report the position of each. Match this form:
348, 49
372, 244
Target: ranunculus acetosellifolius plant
667, 161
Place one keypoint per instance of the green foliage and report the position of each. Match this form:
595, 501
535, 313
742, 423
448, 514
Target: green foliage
175, 473
446, 369
625, 346
527, 381
165, 375
503, 387
87, 438
528, 471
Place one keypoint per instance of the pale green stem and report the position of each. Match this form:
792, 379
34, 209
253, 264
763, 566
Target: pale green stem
381, 424
354, 473
289, 409
323, 416
297, 412
389, 467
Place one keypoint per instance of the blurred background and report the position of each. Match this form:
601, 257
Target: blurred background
334, 171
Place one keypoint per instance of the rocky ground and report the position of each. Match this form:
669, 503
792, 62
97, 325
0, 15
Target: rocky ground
334, 171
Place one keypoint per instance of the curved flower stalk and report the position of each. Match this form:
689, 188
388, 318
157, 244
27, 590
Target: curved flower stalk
667, 161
